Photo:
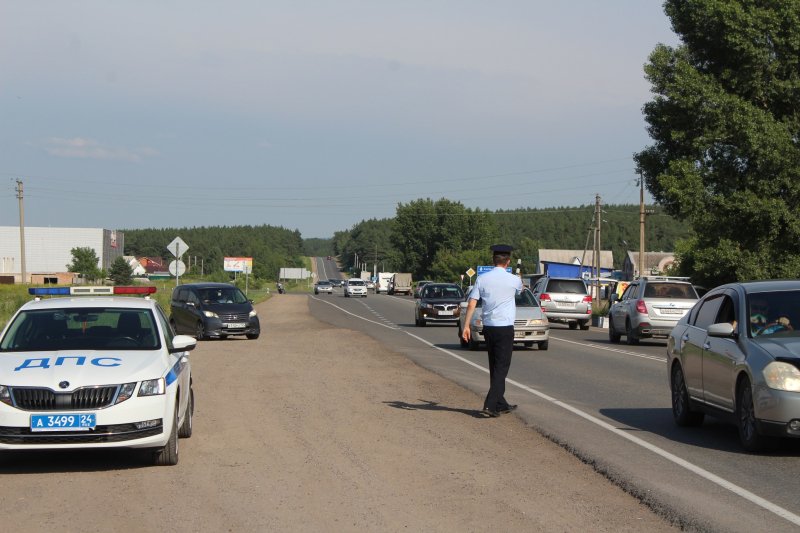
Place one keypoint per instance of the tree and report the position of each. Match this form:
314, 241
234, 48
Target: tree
424, 228
85, 262
120, 272
725, 121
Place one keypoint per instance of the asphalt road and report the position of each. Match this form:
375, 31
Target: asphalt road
610, 405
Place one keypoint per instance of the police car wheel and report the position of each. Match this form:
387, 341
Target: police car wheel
186, 428
168, 455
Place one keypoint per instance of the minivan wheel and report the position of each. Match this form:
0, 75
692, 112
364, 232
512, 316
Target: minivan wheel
199, 331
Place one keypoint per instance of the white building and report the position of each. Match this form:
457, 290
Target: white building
48, 251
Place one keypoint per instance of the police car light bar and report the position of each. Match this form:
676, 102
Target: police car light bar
78, 291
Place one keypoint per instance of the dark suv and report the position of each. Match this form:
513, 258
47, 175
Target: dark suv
565, 300
212, 310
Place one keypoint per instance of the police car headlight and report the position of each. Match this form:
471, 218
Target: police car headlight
210, 314
125, 391
782, 376
253, 313
152, 387
5, 394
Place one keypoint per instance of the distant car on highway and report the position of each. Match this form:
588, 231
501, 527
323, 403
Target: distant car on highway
355, 287
336, 282
565, 300
530, 325
323, 286
735, 356
438, 302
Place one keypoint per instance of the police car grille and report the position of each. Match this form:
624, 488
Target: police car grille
48, 400
234, 317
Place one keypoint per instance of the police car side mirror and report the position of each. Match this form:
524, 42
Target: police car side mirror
183, 343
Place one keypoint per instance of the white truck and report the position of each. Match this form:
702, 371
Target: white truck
384, 279
400, 284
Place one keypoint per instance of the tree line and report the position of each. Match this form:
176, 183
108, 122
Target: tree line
270, 247
440, 239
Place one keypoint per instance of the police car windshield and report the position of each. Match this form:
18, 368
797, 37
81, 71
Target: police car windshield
90, 328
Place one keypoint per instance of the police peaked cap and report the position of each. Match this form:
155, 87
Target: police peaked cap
502, 249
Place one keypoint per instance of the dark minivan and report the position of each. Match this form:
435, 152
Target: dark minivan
212, 310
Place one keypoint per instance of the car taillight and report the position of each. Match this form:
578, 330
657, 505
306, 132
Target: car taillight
544, 299
640, 307
587, 299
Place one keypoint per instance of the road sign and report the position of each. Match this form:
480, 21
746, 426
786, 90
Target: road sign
486, 268
177, 268
470, 272
177, 247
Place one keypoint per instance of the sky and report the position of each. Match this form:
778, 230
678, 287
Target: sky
316, 115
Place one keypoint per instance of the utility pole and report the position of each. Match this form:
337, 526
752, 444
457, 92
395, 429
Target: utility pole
23, 275
598, 224
641, 225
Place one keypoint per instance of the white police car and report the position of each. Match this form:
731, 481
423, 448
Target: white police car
95, 371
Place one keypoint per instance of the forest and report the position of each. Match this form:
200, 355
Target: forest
270, 247
455, 236
428, 238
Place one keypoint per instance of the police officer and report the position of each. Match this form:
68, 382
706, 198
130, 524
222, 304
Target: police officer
497, 289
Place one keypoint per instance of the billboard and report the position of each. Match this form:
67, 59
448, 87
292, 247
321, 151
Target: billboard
294, 273
238, 264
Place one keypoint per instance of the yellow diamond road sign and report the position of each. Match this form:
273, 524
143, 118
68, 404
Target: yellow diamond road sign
470, 272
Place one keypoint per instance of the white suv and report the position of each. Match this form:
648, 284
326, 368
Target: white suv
565, 300
355, 287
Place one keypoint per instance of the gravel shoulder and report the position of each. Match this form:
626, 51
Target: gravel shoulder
314, 428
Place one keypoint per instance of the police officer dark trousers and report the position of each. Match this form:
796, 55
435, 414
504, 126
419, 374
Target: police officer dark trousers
497, 289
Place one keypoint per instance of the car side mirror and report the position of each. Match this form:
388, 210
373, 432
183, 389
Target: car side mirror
613, 298
723, 329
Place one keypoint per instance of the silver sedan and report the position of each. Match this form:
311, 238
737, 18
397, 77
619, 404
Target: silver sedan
736, 356
530, 326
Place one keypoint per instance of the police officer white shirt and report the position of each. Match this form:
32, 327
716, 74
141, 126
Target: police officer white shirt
497, 290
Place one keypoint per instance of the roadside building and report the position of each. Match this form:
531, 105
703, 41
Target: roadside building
571, 263
655, 263
48, 251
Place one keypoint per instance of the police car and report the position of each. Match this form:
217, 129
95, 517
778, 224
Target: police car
99, 370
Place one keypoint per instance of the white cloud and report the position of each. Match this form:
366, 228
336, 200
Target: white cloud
80, 148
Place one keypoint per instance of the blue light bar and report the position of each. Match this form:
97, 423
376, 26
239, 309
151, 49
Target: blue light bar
49, 291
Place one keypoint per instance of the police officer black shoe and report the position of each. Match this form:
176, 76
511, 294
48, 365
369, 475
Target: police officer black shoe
490, 413
507, 409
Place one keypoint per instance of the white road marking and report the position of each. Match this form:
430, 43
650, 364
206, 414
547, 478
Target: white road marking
713, 478
355, 315
610, 349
